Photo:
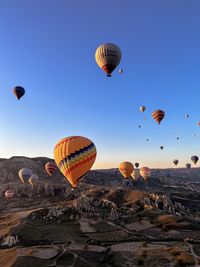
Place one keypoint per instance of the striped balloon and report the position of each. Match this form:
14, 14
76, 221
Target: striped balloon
74, 156
145, 172
108, 57
158, 115
126, 168
50, 167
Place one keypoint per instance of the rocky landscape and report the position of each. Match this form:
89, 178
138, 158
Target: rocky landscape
105, 221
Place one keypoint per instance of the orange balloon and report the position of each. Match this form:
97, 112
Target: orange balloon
126, 168
158, 115
74, 156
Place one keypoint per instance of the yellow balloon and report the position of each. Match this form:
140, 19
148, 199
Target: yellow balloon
126, 168
74, 156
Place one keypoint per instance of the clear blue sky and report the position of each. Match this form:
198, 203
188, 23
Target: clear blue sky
48, 48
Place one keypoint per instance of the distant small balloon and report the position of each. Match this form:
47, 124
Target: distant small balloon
142, 108
145, 172
139, 126
50, 167
198, 123
175, 161
9, 193
121, 71
18, 91
147, 140
25, 174
188, 165
33, 180
137, 164
187, 115
177, 138
161, 147
136, 174
194, 159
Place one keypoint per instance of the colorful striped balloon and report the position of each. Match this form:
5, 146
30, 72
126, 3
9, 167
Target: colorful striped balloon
50, 167
158, 115
74, 156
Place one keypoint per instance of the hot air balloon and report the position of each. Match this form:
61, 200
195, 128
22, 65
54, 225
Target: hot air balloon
175, 161
25, 174
121, 71
194, 159
147, 140
9, 193
188, 165
137, 164
135, 174
33, 180
194, 135
158, 115
198, 123
187, 115
161, 147
74, 156
142, 108
50, 167
126, 168
108, 57
139, 126
177, 138
145, 172
18, 91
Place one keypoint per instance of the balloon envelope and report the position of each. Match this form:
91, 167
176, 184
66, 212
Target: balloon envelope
135, 174
50, 167
33, 180
175, 161
188, 165
158, 115
18, 91
145, 172
25, 174
126, 168
108, 57
194, 159
142, 108
74, 156
137, 164
9, 193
